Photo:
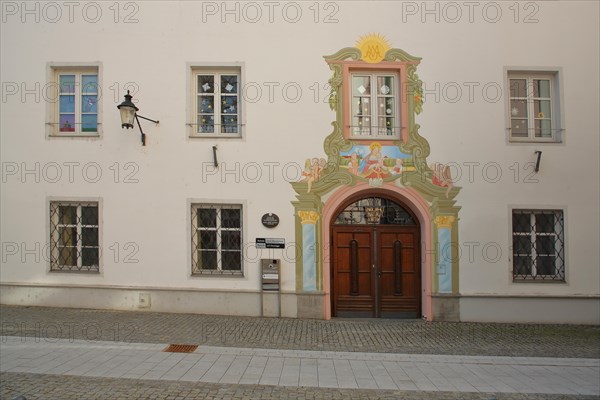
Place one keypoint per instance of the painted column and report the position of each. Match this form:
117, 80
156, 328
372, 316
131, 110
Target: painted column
309, 250
445, 251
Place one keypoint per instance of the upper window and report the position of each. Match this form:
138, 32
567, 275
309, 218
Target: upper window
375, 106
77, 105
217, 239
74, 238
533, 107
538, 245
217, 103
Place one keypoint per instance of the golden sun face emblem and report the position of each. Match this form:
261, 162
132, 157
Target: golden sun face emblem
373, 47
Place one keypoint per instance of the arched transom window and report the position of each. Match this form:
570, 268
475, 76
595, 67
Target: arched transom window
374, 210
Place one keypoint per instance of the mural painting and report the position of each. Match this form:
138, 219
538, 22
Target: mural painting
373, 162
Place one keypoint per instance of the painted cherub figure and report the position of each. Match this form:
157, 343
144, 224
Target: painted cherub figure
315, 169
322, 165
441, 176
312, 171
307, 174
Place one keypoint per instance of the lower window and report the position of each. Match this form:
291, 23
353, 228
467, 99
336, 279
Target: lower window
538, 245
217, 239
74, 239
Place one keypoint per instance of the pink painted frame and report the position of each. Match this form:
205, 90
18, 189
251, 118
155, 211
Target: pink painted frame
398, 68
420, 208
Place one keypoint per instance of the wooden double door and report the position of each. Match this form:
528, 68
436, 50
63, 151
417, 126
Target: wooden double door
376, 271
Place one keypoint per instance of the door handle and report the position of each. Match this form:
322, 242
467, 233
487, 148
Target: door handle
378, 272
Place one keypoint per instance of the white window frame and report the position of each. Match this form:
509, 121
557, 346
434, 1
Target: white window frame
559, 241
374, 115
557, 117
54, 224
195, 238
52, 94
217, 70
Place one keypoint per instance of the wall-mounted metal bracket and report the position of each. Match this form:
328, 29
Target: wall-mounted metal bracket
216, 162
137, 116
539, 158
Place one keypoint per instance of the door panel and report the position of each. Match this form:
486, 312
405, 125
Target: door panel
399, 281
352, 272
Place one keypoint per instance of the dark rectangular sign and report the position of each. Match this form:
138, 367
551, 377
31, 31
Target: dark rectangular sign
270, 243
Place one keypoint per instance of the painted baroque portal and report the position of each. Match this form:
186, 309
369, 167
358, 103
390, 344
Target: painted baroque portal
376, 148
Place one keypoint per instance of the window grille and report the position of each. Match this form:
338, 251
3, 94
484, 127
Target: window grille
217, 239
538, 245
74, 239
391, 214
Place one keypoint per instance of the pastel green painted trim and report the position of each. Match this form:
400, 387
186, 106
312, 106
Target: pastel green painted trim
420, 177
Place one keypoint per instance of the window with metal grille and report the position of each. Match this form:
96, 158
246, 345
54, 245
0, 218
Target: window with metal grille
538, 245
74, 239
217, 239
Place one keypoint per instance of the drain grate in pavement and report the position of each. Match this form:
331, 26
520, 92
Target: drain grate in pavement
181, 348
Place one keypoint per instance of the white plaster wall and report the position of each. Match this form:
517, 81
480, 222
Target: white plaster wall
155, 53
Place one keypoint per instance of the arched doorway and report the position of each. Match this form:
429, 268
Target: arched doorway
375, 254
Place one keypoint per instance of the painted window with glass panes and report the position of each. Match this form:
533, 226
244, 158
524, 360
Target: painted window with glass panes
375, 105
77, 107
74, 237
217, 103
538, 245
532, 108
217, 239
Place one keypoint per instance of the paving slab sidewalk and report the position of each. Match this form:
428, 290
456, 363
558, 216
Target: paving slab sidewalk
343, 370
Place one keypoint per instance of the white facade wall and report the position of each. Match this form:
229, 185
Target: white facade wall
156, 54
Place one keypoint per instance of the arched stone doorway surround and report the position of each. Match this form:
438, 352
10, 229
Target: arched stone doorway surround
410, 198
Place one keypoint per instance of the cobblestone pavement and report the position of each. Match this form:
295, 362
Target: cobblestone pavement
51, 387
340, 335
364, 335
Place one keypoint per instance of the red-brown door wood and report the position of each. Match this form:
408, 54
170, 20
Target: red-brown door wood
399, 267
352, 274
392, 268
